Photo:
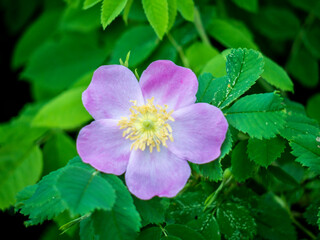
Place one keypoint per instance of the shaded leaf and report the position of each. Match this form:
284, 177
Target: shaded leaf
110, 10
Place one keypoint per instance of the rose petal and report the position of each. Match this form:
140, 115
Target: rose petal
198, 132
169, 84
110, 91
156, 174
102, 146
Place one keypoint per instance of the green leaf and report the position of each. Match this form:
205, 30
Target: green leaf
311, 213
207, 225
243, 67
235, 221
282, 176
216, 66
153, 233
140, 40
186, 8
90, 3
310, 38
297, 122
241, 167
198, 54
20, 166
75, 19
304, 67
172, 13
312, 107
110, 10
186, 207
306, 149
259, 115
249, 5
34, 36
151, 211
183, 232
264, 152
65, 111
120, 223
268, 23
58, 63
157, 14
230, 35
273, 221
57, 151
276, 75
77, 187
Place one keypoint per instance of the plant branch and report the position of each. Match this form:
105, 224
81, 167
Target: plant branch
179, 49
199, 26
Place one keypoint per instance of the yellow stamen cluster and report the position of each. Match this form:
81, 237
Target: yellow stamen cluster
147, 126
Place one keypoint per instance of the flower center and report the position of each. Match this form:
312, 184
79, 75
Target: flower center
147, 126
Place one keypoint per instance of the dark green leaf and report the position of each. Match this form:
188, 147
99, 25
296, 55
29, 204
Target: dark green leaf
183, 232
241, 167
151, 211
264, 152
235, 221
249, 5
153, 233
90, 3
282, 176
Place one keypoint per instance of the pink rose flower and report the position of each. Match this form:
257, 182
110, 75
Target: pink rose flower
149, 129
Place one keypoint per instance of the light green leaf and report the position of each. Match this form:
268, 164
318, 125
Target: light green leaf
172, 13
235, 221
304, 67
230, 34
57, 151
183, 232
120, 223
75, 19
157, 14
110, 10
249, 5
241, 167
20, 166
216, 66
313, 107
141, 41
186, 8
77, 187
264, 152
268, 23
65, 111
276, 75
58, 63
90, 3
198, 54
34, 36
259, 115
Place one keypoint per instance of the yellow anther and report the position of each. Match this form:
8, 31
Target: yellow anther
147, 126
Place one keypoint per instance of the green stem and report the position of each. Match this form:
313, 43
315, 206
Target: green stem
163, 230
179, 49
294, 220
199, 26
225, 181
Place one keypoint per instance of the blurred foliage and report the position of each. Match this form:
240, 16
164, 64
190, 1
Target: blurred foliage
265, 185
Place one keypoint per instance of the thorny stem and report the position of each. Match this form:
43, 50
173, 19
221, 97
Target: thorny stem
199, 26
179, 50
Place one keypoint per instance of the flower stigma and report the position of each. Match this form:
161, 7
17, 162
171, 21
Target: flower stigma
147, 126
